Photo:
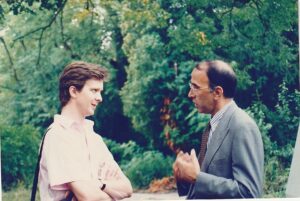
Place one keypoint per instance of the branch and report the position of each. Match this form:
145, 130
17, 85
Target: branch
43, 27
62, 26
63, 36
8, 88
88, 3
40, 47
261, 18
10, 59
227, 11
7, 51
23, 45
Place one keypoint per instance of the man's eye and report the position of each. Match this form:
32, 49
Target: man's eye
94, 90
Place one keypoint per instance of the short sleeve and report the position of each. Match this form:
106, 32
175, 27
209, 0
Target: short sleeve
64, 158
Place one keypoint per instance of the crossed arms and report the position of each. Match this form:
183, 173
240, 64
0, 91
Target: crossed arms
117, 187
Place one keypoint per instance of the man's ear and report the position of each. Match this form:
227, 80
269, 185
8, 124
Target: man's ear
218, 92
72, 91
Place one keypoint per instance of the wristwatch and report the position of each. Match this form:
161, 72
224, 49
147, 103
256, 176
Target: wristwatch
103, 185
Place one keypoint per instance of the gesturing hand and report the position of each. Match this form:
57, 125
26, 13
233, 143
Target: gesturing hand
186, 167
195, 162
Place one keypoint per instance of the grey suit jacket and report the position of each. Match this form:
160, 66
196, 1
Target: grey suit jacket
234, 162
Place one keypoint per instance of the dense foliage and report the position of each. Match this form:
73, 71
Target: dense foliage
150, 48
19, 146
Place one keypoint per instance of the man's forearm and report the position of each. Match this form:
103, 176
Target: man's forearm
118, 189
88, 190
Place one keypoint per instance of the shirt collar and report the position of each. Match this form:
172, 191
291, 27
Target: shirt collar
68, 122
217, 117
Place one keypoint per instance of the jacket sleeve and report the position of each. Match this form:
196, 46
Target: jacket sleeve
183, 188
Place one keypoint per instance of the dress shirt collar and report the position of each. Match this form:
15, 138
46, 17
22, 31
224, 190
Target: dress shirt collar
217, 117
69, 123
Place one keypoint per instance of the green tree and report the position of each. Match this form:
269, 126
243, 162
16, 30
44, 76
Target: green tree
38, 53
150, 48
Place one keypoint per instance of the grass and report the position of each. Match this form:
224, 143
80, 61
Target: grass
20, 193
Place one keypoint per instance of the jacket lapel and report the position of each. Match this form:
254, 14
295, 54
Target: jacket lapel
218, 136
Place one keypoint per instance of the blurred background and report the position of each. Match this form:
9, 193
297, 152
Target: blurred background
150, 49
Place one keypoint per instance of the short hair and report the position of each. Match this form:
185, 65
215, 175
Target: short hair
220, 74
76, 74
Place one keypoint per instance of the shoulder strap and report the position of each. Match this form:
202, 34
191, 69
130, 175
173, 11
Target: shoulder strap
37, 169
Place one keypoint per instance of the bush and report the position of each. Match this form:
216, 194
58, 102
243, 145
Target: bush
124, 152
285, 118
275, 169
140, 166
19, 149
145, 167
276, 177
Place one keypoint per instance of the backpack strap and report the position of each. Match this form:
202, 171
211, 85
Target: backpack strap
37, 170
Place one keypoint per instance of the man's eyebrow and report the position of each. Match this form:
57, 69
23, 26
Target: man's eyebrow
195, 85
97, 88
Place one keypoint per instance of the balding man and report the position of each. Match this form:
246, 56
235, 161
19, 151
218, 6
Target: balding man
231, 159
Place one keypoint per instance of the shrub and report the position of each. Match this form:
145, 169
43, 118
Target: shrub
276, 171
276, 177
285, 118
145, 167
139, 165
124, 152
19, 148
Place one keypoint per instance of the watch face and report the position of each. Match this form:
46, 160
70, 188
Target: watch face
101, 184
103, 187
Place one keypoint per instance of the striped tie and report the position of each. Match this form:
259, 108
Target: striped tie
204, 143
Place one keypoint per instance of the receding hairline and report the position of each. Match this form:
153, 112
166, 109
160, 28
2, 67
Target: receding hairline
220, 65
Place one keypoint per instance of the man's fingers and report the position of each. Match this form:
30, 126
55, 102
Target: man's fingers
180, 154
194, 157
193, 154
195, 160
174, 165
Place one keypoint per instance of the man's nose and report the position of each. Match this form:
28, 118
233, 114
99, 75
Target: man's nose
190, 94
99, 97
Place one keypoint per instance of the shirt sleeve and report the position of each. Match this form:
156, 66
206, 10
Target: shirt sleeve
63, 159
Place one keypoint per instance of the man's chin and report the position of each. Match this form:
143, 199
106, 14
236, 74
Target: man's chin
91, 113
200, 110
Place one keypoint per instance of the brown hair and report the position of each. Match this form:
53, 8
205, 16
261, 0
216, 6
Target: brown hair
76, 74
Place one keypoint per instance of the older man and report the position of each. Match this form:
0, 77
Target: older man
230, 163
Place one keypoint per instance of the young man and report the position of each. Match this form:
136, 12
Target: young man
231, 159
74, 157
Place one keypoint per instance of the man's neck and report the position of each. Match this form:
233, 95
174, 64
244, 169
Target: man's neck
221, 104
71, 112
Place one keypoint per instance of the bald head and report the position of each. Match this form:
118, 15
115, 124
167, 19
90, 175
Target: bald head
220, 74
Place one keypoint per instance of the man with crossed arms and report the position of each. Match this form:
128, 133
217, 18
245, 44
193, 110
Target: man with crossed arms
74, 157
